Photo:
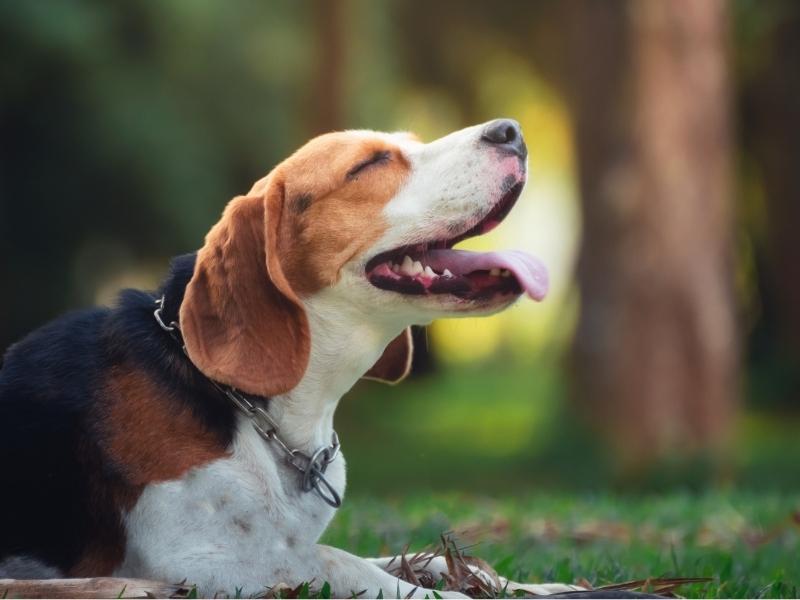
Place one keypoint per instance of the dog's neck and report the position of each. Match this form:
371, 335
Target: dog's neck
346, 341
345, 344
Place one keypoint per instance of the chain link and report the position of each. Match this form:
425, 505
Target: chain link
312, 467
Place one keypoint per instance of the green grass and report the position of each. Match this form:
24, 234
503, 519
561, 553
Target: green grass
748, 543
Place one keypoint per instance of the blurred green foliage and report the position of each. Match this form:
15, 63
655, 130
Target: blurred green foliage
499, 426
127, 127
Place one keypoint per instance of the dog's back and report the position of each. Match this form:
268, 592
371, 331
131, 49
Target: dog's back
45, 395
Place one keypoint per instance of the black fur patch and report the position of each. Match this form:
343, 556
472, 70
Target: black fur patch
61, 492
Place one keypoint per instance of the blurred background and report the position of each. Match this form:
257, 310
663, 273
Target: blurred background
664, 194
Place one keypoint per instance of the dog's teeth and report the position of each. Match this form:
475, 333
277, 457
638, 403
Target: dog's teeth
429, 272
417, 268
505, 273
407, 268
395, 268
494, 272
447, 273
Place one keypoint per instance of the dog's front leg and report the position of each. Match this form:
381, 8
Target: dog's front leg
216, 573
349, 574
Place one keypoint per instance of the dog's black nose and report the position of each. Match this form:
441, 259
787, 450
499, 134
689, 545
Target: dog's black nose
506, 134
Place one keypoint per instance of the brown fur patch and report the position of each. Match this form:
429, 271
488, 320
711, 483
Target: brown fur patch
149, 437
345, 217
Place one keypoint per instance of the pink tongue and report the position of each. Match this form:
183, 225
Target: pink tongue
529, 271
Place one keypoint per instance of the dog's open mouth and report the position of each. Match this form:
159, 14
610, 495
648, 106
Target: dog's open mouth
435, 268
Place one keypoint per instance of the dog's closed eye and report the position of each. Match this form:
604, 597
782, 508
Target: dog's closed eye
376, 159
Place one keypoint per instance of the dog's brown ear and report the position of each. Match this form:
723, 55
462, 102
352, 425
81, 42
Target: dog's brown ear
394, 365
242, 323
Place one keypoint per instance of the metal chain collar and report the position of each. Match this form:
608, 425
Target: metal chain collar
311, 467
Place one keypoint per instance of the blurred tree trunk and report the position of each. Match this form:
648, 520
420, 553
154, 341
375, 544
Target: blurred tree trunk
656, 350
776, 128
328, 86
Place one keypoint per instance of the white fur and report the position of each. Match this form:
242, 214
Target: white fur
243, 521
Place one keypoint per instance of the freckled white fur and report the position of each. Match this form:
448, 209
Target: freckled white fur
243, 521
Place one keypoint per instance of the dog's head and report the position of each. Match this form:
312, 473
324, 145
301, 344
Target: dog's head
367, 220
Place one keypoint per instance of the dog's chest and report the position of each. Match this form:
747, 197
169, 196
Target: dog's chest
249, 505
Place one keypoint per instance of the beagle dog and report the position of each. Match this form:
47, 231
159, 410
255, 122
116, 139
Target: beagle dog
187, 434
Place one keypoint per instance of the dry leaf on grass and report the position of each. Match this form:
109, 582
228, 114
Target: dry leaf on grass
460, 578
